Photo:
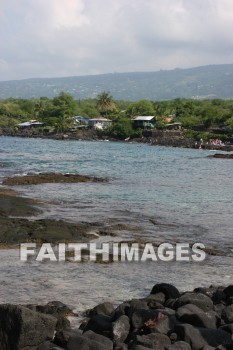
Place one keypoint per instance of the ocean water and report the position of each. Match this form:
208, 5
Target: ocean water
164, 194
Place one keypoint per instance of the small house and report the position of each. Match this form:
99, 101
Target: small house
99, 123
173, 126
30, 124
144, 122
79, 119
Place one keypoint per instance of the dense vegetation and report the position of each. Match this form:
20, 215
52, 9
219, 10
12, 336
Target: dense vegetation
197, 116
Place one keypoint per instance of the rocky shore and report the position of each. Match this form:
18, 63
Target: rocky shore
219, 155
166, 319
19, 223
42, 178
19, 220
18, 215
172, 138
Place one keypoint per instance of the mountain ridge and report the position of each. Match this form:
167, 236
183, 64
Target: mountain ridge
212, 81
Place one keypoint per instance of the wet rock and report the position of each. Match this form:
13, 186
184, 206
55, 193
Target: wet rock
168, 290
121, 347
152, 341
199, 337
98, 338
192, 321
15, 230
137, 304
140, 317
218, 308
61, 337
62, 323
100, 324
84, 343
164, 322
195, 316
180, 345
14, 205
122, 309
221, 155
227, 314
48, 346
102, 309
228, 291
21, 327
54, 308
155, 298
225, 347
49, 178
198, 299
227, 327
120, 329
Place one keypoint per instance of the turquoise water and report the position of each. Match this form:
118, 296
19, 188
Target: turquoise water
166, 194
177, 187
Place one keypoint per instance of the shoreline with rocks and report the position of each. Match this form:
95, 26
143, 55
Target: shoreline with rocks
159, 138
22, 219
166, 319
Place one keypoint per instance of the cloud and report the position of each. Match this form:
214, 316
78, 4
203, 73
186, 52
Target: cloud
77, 37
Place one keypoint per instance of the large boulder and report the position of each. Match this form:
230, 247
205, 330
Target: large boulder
201, 300
152, 341
120, 329
141, 316
48, 346
98, 338
135, 305
155, 298
228, 291
122, 309
179, 345
164, 322
199, 337
21, 328
170, 291
101, 309
195, 316
227, 314
89, 341
228, 328
61, 338
100, 324
54, 308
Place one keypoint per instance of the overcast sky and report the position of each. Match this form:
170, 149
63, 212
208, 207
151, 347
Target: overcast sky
55, 38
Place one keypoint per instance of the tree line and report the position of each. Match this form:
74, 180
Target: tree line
195, 115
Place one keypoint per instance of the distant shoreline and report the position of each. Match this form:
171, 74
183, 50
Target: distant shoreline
92, 135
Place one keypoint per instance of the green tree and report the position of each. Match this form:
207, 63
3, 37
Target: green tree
43, 108
65, 104
105, 103
143, 107
229, 123
122, 128
65, 108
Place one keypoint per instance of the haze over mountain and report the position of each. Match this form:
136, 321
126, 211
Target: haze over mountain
214, 81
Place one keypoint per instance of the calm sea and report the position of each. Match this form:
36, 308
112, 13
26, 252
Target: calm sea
166, 194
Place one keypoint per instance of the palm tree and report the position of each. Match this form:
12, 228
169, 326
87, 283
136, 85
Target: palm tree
105, 103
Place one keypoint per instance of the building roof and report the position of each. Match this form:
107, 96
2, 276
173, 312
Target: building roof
171, 124
30, 123
144, 118
79, 117
100, 120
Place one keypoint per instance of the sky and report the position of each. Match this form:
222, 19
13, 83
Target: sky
57, 38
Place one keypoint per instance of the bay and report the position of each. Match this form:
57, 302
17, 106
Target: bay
166, 194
